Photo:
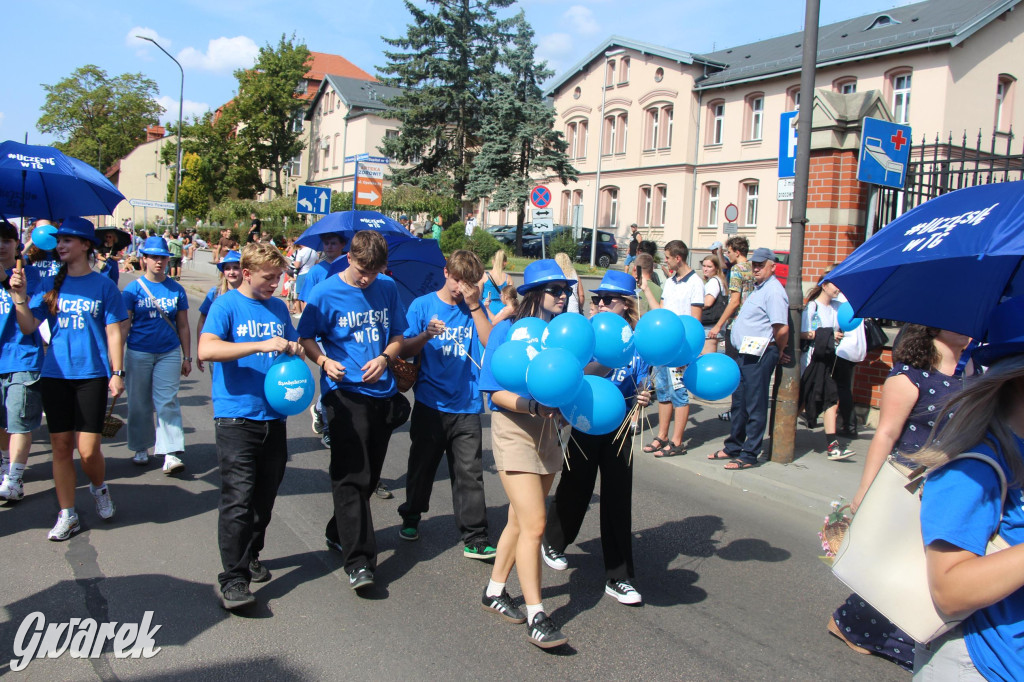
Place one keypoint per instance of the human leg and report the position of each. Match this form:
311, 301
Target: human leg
427, 444
465, 466
616, 509
271, 460
575, 489
170, 437
757, 403
842, 374
139, 393
526, 493
21, 413
239, 442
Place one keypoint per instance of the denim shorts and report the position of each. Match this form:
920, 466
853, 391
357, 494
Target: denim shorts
664, 391
23, 404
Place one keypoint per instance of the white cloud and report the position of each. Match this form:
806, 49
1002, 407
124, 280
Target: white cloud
142, 47
582, 20
1, 118
189, 109
554, 46
222, 54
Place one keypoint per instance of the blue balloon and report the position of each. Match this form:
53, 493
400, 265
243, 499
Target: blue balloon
554, 376
847, 322
509, 364
289, 386
572, 332
657, 336
692, 343
613, 340
597, 408
529, 329
44, 238
712, 377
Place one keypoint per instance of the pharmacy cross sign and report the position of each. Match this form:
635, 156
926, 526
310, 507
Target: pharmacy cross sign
898, 140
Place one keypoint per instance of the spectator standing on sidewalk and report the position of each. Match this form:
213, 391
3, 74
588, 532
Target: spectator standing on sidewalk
634, 246
741, 284
175, 245
649, 291
715, 300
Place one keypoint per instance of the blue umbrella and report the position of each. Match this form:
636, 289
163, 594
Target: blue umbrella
45, 183
416, 265
946, 263
347, 223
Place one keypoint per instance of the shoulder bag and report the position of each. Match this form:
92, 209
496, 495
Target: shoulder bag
156, 304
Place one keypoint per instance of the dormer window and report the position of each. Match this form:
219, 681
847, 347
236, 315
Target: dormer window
882, 20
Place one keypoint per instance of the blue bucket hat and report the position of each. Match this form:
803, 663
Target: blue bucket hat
229, 257
1005, 333
78, 227
615, 282
155, 246
541, 272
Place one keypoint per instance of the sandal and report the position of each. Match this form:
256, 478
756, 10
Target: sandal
721, 454
656, 445
739, 465
671, 450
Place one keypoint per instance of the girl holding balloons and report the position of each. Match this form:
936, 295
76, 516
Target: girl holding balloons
614, 302
527, 453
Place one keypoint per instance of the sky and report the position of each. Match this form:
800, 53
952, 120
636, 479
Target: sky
212, 38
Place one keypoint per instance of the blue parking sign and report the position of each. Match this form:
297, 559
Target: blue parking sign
787, 144
884, 153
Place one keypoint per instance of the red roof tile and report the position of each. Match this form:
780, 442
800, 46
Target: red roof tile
334, 64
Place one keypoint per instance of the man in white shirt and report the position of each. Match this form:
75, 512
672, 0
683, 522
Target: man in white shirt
470, 224
683, 294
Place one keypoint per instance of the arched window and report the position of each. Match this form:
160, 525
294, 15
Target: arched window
645, 207
793, 98
609, 76
609, 207
847, 85
754, 115
897, 90
1004, 102
716, 122
653, 116
750, 192
709, 204
623, 70
570, 138
621, 128
665, 142
660, 205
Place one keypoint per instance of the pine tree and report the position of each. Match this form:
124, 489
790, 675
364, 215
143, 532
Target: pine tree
447, 66
518, 139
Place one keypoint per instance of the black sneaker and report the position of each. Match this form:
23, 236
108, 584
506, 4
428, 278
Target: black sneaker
382, 491
259, 572
236, 596
409, 530
543, 633
479, 549
553, 558
623, 591
360, 578
504, 607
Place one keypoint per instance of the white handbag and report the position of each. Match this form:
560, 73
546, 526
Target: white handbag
882, 556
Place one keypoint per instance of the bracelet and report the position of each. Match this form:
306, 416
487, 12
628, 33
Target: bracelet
21, 302
187, 359
321, 364
473, 310
387, 358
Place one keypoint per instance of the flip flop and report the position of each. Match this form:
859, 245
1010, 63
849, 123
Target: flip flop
739, 465
656, 445
671, 450
721, 454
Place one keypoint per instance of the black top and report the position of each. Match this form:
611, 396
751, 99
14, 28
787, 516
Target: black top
254, 230
634, 244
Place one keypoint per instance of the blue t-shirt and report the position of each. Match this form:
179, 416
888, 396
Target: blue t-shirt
78, 332
20, 353
354, 326
961, 506
49, 267
448, 376
111, 270
494, 292
237, 385
149, 332
488, 384
204, 307
628, 378
316, 274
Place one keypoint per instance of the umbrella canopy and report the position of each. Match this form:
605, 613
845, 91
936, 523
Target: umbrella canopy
416, 265
45, 183
946, 263
347, 223
123, 239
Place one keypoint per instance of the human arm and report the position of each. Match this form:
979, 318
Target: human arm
115, 351
199, 331
334, 369
374, 368
731, 307
212, 348
652, 301
899, 395
781, 333
185, 338
512, 402
414, 344
27, 321
471, 295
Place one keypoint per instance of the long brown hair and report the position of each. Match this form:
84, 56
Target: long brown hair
530, 306
52, 296
915, 346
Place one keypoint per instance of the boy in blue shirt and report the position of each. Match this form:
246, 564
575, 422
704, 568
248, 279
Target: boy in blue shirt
359, 320
244, 331
447, 328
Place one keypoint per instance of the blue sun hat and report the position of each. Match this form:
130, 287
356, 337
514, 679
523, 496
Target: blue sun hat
542, 272
155, 246
1005, 333
78, 227
618, 283
229, 257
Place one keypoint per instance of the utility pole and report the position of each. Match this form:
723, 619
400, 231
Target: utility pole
788, 401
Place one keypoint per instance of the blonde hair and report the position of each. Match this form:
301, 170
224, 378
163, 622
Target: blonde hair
257, 255
563, 261
978, 414
498, 261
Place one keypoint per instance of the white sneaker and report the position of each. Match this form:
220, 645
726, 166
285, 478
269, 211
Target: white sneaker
141, 457
622, 590
104, 505
65, 528
11, 489
172, 464
318, 419
836, 453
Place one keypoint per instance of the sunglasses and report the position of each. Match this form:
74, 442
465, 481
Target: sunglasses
607, 299
557, 290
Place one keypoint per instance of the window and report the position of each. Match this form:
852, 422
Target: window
566, 203
570, 140
581, 140
621, 128
609, 208
651, 141
847, 85
576, 93
659, 74
576, 217
750, 190
609, 76
660, 205
1004, 102
300, 87
294, 166
615, 134
666, 115
646, 206
793, 98
711, 205
755, 115
609, 134
623, 70
334, 152
297, 123
901, 98
716, 122
390, 134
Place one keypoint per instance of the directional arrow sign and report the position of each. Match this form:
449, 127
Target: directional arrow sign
313, 199
370, 184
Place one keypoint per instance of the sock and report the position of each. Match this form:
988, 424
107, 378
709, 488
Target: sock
3, 462
16, 470
532, 610
69, 513
494, 589
94, 490
830, 438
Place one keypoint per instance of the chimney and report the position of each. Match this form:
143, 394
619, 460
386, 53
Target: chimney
155, 132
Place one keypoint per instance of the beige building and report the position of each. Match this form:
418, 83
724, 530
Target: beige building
141, 175
684, 135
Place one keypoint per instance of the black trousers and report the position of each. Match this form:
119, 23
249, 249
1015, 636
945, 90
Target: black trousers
842, 374
588, 455
252, 456
749, 416
360, 434
458, 438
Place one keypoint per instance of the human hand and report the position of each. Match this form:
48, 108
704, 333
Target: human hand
374, 369
201, 365
18, 281
470, 294
334, 369
116, 386
186, 367
643, 398
276, 344
435, 328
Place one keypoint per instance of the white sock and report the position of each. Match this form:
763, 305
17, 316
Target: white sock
94, 490
16, 470
3, 462
494, 589
69, 513
532, 610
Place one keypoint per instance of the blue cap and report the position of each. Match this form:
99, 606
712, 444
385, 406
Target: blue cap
541, 272
155, 246
78, 227
615, 282
762, 254
229, 257
1005, 333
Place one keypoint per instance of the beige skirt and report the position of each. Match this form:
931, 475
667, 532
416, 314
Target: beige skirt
524, 443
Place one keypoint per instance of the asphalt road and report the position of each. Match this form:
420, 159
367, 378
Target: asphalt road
732, 585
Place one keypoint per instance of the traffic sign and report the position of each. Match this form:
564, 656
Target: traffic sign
540, 196
731, 213
369, 183
313, 199
884, 153
543, 219
731, 228
149, 203
367, 157
787, 188
787, 144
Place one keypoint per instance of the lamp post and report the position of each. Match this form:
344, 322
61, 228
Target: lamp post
600, 153
181, 102
145, 221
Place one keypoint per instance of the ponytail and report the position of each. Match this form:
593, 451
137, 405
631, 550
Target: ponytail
51, 297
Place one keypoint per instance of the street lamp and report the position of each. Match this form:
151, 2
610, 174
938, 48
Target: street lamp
181, 102
600, 153
145, 220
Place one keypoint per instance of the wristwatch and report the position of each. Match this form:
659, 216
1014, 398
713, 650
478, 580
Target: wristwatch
118, 373
188, 359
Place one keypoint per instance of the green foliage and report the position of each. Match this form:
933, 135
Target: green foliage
274, 213
193, 200
447, 63
225, 166
483, 244
99, 119
563, 241
407, 199
453, 237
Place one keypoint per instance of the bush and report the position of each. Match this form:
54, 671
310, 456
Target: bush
453, 238
483, 244
564, 242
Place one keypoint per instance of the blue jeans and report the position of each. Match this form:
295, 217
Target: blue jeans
152, 381
749, 415
663, 390
629, 261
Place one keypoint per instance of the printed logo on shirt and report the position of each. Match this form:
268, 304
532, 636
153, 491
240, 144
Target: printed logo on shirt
168, 305
259, 330
368, 321
72, 312
453, 341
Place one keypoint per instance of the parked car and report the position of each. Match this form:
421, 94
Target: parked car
782, 266
607, 249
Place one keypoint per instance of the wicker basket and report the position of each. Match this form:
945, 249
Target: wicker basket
405, 371
832, 533
111, 424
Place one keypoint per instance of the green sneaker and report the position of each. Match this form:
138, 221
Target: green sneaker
409, 531
480, 549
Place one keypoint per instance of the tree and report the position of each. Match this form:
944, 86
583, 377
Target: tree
447, 64
98, 118
266, 111
518, 140
225, 167
193, 199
